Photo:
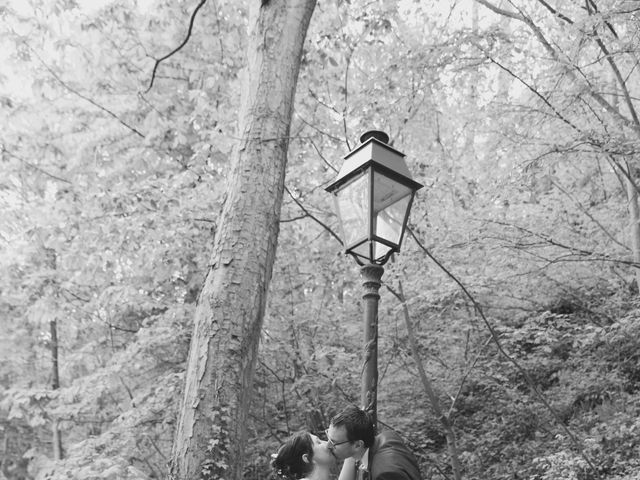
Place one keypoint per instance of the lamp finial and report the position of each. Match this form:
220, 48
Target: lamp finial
377, 134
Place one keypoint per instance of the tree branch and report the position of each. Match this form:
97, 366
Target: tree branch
503, 352
346, 99
586, 212
592, 4
326, 162
499, 11
592, 8
293, 219
625, 171
621, 82
556, 56
321, 132
312, 217
428, 387
537, 94
580, 252
35, 167
84, 97
555, 12
179, 47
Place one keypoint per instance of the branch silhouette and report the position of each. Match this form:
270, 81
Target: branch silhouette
3, 150
313, 217
82, 96
503, 352
179, 47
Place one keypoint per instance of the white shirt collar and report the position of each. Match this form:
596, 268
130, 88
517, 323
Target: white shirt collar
364, 461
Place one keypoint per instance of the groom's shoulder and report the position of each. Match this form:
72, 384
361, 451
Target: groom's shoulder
386, 436
388, 440
393, 458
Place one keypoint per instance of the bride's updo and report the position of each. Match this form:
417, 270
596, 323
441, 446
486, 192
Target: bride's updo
288, 463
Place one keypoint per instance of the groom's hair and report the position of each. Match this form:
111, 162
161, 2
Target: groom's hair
357, 423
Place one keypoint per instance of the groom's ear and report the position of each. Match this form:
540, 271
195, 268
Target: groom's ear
305, 458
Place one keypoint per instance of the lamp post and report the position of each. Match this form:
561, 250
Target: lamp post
373, 194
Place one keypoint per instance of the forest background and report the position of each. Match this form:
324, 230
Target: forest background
518, 277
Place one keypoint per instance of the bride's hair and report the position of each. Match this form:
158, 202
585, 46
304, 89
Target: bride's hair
288, 464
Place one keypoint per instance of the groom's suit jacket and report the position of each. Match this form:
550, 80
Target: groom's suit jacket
390, 459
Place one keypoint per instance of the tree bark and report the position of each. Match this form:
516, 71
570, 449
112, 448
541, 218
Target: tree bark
51, 261
210, 435
634, 219
55, 385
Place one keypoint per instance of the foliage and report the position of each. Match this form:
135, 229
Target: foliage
110, 197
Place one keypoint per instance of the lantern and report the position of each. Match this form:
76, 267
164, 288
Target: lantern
373, 194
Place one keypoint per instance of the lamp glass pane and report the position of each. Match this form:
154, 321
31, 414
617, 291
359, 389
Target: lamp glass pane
352, 202
363, 251
388, 222
387, 191
390, 202
380, 250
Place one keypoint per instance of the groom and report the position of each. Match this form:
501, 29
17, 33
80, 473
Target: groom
367, 456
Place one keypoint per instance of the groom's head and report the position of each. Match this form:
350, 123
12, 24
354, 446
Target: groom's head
350, 433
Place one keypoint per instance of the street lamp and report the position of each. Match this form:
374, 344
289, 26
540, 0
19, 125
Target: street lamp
373, 194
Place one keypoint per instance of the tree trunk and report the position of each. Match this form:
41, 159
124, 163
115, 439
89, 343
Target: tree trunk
631, 190
634, 219
51, 261
210, 435
55, 385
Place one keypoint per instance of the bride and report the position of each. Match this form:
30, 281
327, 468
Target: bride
303, 457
